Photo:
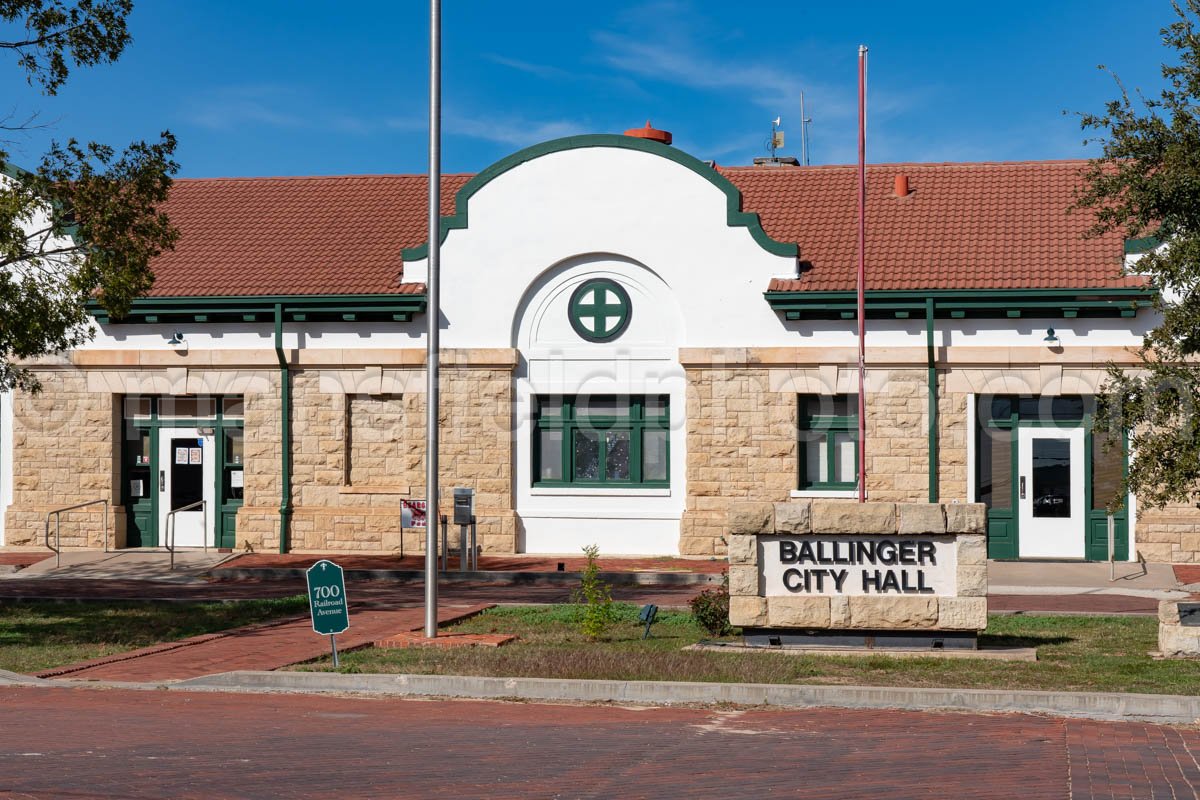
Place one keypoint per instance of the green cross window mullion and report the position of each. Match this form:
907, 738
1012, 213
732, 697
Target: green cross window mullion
599, 310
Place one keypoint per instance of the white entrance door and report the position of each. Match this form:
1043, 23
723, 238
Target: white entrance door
187, 474
1050, 494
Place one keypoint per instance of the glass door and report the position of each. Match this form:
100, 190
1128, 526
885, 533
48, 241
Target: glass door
1050, 492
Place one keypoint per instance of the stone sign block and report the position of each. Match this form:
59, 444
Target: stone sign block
833, 565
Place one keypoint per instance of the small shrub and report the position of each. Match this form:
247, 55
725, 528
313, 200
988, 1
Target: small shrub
710, 609
594, 596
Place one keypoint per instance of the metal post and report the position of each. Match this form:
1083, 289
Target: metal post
474, 546
333, 644
464, 561
1112, 546
862, 273
58, 540
432, 313
445, 546
803, 133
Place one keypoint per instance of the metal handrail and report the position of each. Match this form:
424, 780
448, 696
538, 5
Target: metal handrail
171, 527
57, 514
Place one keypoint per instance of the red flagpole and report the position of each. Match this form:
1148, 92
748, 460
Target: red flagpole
862, 273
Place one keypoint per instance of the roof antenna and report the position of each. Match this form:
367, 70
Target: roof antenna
804, 120
773, 145
776, 140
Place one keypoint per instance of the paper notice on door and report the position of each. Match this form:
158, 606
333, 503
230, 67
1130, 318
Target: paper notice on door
236, 479
135, 489
195, 455
181, 455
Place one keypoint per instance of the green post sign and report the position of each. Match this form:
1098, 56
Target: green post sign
327, 601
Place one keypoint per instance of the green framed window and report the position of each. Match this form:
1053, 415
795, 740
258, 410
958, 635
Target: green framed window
602, 441
599, 310
828, 442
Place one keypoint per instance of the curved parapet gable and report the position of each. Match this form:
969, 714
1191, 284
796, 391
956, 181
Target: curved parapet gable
734, 214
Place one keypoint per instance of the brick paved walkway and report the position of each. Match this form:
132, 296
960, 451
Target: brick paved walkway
88, 744
268, 646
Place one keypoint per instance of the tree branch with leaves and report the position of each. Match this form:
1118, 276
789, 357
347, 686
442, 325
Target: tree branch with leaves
1146, 185
85, 224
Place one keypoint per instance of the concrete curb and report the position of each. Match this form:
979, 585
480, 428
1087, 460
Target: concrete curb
513, 578
10, 678
1169, 709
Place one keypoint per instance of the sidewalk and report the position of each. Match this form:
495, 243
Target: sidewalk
268, 646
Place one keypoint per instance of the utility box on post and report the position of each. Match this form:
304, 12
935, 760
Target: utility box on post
464, 506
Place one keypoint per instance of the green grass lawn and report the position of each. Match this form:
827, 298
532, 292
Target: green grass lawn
37, 635
1074, 654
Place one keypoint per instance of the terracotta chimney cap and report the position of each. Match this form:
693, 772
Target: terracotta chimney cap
902, 189
653, 134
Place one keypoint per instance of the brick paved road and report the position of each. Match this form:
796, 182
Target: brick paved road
90, 744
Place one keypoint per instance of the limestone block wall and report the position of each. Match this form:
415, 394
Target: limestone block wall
258, 518
476, 445
352, 504
965, 609
898, 435
65, 451
741, 445
742, 439
952, 442
1170, 534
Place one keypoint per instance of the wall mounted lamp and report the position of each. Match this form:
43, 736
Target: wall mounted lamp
1051, 338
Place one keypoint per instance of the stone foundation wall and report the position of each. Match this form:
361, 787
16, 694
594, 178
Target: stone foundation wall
749, 605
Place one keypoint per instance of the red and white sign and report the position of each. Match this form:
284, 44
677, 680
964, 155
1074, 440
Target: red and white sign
412, 513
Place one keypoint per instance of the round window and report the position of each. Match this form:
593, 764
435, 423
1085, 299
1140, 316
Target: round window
599, 310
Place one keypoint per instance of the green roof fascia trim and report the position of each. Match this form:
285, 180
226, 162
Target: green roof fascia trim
363, 307
735, 216
997, 303
1141, 245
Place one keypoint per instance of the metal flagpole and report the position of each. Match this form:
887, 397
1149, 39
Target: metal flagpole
432, 313
862, 273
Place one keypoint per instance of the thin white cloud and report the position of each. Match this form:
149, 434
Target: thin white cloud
511, 131
540, 70
271, 105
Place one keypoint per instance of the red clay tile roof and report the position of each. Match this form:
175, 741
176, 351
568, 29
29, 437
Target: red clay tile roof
964, 226
278, 236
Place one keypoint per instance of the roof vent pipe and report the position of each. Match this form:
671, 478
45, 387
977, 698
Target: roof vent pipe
902, 189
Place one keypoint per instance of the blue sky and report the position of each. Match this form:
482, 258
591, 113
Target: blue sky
295, 87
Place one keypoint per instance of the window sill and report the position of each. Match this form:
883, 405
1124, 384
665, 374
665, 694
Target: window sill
592, 491
830, 493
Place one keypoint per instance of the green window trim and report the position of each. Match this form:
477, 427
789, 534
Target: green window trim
827, 426
637, 416
593, 316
